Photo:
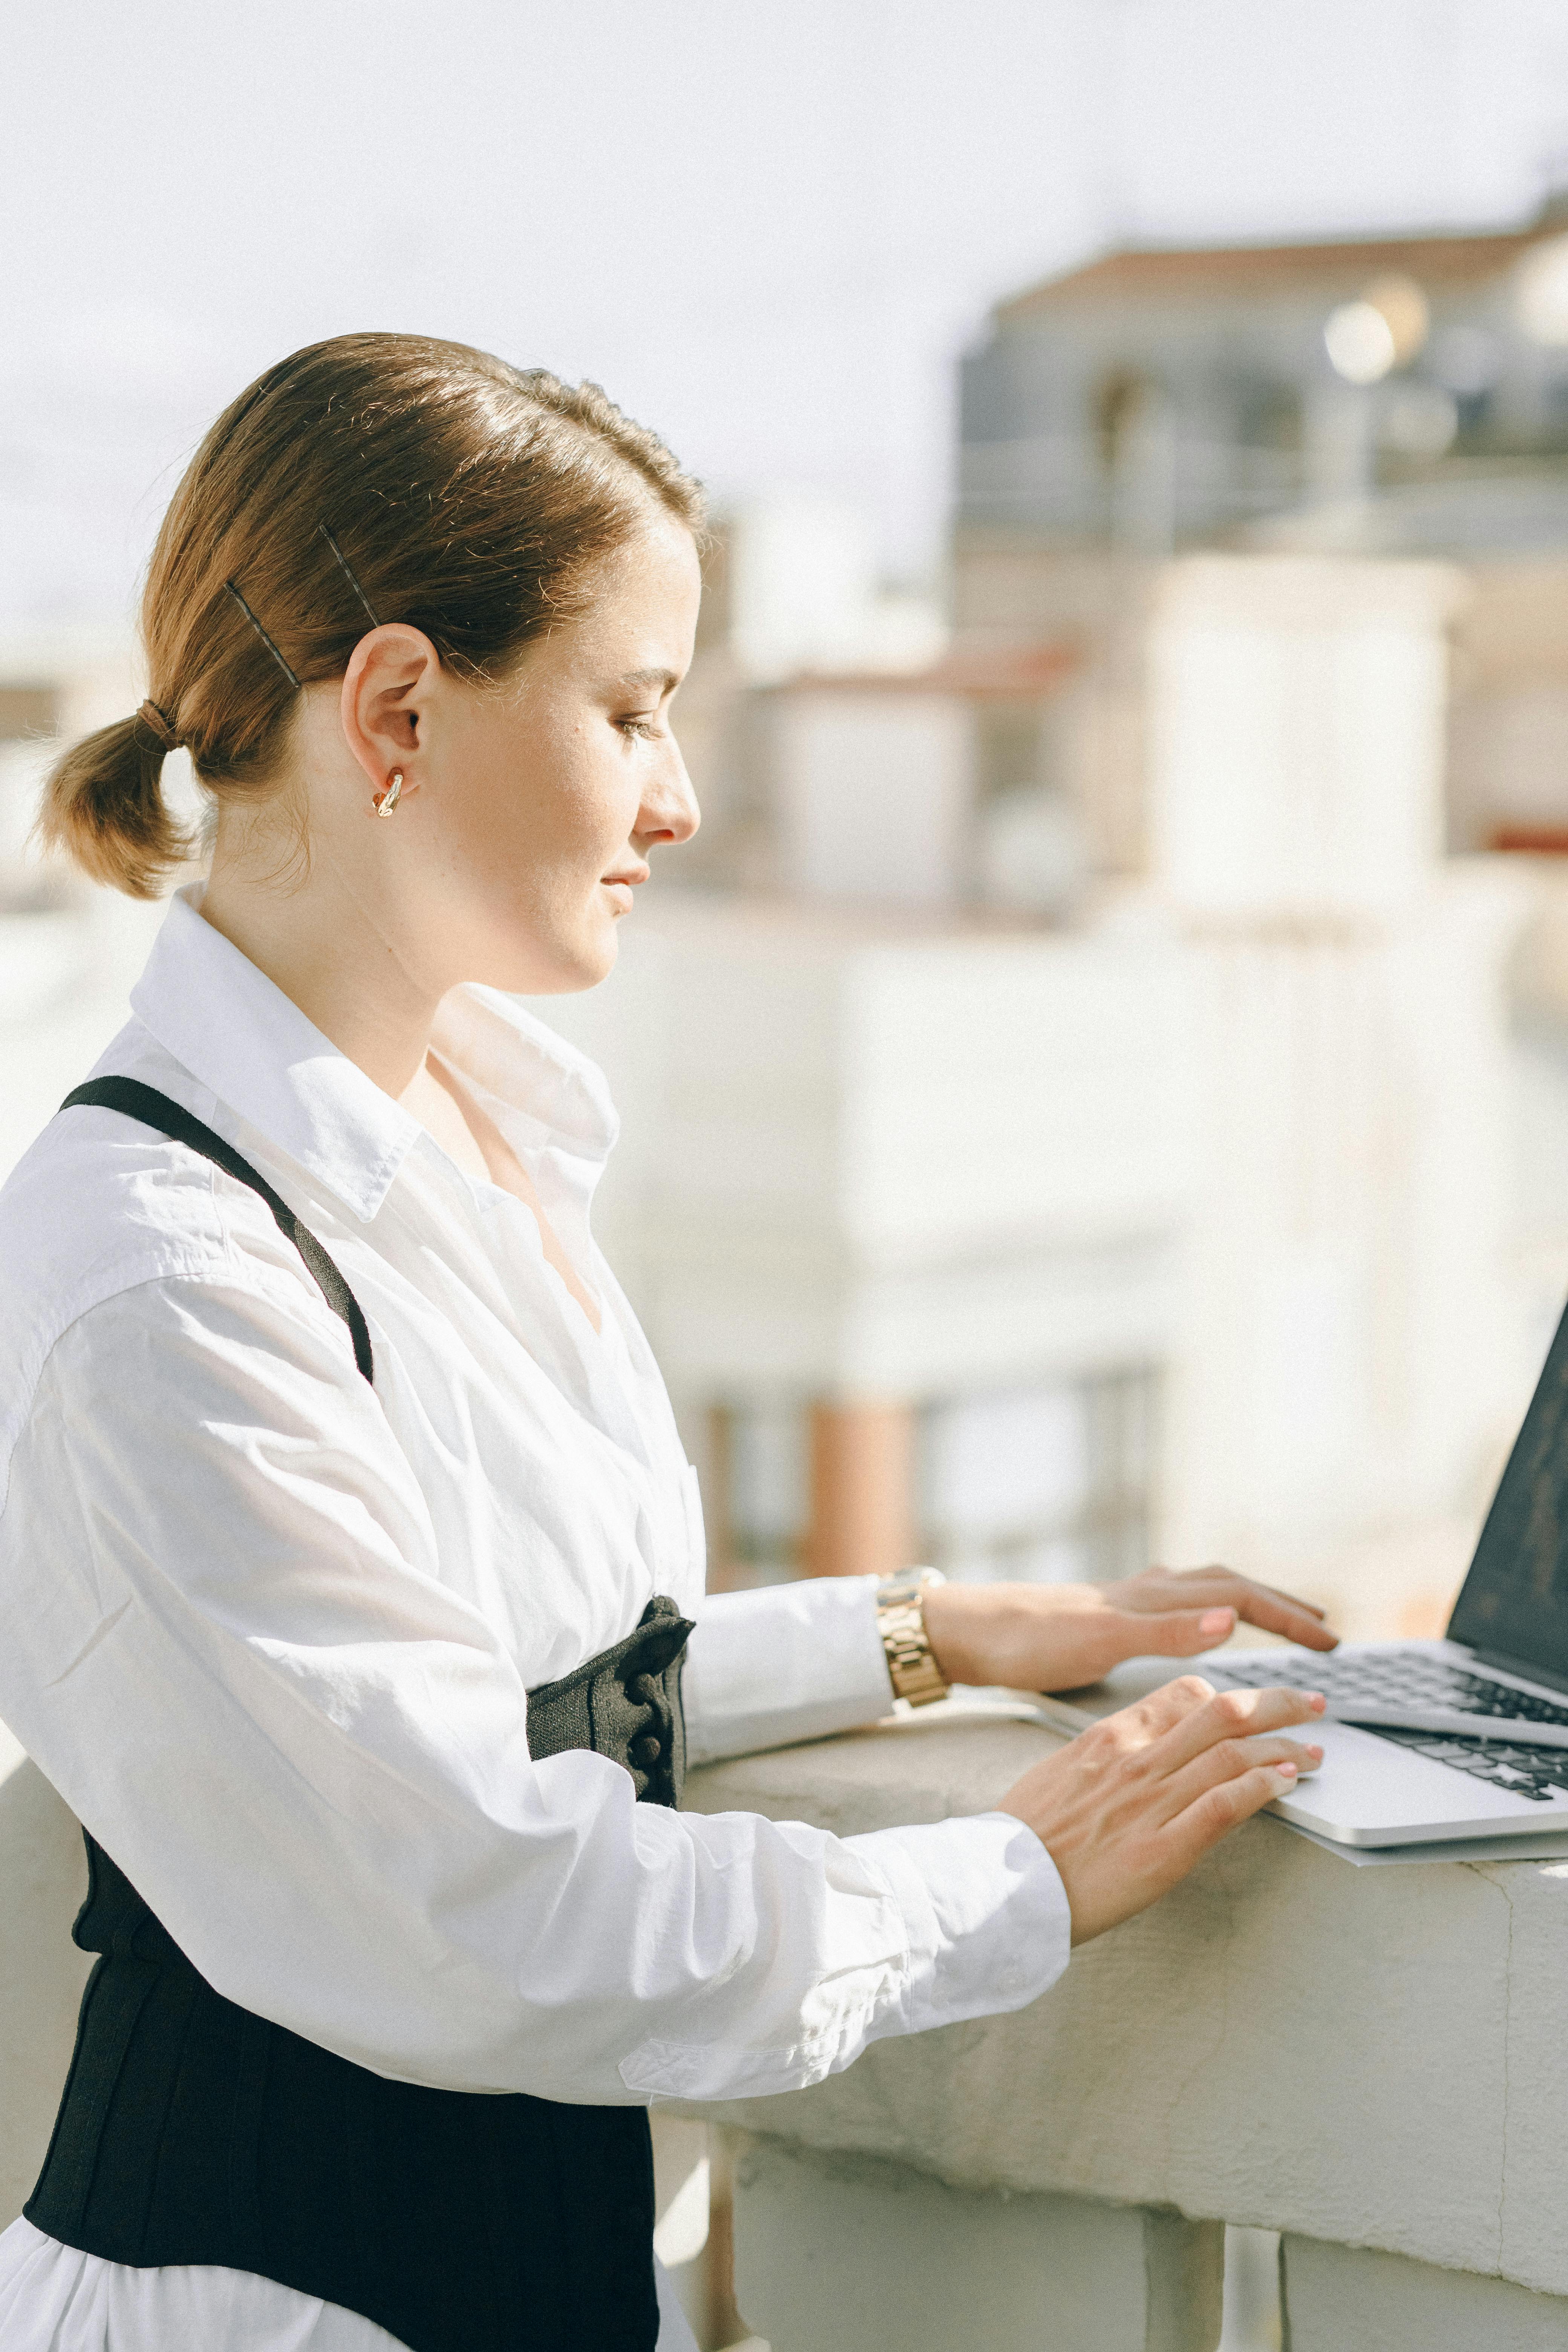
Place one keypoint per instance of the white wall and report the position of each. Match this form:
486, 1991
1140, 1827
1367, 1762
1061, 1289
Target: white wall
1297, 733
880, 1157
1356, 1345
873, 794
804, 592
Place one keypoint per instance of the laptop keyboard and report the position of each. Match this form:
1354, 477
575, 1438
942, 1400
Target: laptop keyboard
1407, 1678
1538, 1774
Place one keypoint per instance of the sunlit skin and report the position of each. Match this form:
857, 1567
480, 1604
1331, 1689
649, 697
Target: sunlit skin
525, 822
529, 812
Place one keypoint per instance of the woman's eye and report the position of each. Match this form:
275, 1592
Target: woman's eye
645, 727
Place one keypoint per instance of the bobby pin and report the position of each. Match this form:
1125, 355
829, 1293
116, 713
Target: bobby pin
349, 573
261, 632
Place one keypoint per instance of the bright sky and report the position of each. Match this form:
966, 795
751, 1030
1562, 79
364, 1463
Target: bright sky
767, 225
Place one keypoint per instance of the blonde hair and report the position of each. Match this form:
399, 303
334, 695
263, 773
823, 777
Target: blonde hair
384, 475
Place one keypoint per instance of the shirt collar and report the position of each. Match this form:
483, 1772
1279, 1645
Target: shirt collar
240, 1036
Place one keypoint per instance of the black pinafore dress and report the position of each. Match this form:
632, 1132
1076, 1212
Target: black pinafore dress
191, 2131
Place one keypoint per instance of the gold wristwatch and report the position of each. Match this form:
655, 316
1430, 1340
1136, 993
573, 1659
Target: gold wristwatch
900, 1621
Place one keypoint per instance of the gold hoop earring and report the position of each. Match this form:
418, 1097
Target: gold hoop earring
387, 801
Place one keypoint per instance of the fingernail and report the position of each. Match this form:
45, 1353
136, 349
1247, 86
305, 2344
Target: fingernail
1286, 1771
1316, 1701
1217, 1621
1315, 1752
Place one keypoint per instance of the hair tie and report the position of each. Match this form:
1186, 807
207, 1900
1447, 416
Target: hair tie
159, 724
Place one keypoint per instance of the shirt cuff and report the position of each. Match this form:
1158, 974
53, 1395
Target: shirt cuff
782, 1663
986, 1912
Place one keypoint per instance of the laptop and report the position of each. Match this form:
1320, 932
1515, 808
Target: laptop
1424, 1742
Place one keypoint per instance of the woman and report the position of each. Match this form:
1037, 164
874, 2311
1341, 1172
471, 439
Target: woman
349, 1551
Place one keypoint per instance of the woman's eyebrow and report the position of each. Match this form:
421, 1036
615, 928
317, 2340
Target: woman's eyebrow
665, 680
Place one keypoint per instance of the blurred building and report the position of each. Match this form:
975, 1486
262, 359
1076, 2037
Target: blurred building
1402, 397
1154, 1099
1097, 1085
1202, 1220
1156, 399
939, 787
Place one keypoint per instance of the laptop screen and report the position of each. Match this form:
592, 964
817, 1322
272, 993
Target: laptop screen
1514, 1602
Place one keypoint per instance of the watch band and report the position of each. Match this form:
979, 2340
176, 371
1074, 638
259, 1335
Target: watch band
901, 1620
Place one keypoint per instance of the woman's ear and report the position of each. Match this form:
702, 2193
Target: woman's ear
385, 706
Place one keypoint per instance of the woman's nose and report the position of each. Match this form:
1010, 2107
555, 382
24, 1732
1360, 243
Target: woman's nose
669, 812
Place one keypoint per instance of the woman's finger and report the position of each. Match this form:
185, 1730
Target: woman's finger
1216, 1582
1227, 1582
1276, 1612
1294, 1600
1149, 1719
1222, 1808
1179, 1633
1215, 1587
1223, 1586
1230, 1715
1264, 1605
1228, 1760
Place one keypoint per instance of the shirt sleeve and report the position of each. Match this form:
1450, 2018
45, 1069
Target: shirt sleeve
782, 1663
224, 1638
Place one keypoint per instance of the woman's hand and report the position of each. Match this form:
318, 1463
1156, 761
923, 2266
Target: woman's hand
1128, 1807
1048, 1637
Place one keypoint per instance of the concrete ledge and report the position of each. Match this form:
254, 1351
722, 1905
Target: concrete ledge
840, 2251
1370, 2057
1345, 2299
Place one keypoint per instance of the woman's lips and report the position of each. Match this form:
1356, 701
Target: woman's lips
620, 885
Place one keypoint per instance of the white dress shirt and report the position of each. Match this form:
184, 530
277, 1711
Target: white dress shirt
270, 1633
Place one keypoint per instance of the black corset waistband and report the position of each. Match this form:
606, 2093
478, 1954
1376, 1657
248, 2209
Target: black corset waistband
191, 2131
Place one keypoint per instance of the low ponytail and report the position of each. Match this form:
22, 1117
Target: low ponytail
103, 806
389, 475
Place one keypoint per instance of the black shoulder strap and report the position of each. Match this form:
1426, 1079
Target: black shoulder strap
153, 1109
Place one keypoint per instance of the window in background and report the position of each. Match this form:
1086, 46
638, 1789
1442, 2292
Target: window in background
756, 1492
1049, 1484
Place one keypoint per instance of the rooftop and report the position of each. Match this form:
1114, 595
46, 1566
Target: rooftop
1245, 272
982, 673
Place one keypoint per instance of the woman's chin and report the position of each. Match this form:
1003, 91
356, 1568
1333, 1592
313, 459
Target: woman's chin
569, 971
